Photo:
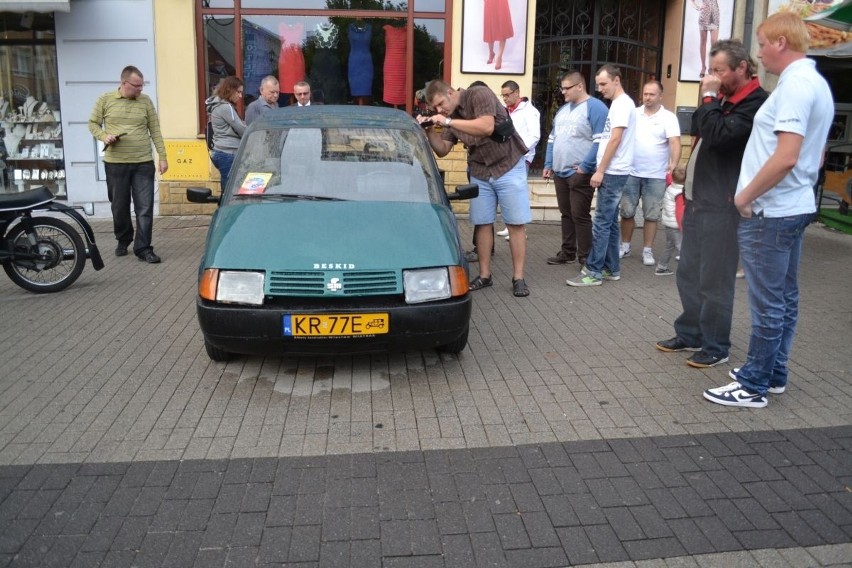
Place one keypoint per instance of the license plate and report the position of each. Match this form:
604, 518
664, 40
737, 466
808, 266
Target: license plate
335, 325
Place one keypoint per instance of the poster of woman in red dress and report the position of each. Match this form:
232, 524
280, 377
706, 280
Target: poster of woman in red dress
494, 36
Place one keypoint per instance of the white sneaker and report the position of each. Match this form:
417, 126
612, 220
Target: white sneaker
648, 257
734, 394
503, 233
624, 252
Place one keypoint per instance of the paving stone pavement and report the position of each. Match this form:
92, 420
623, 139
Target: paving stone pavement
559, 437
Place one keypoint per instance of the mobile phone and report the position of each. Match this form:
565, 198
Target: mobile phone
117, 138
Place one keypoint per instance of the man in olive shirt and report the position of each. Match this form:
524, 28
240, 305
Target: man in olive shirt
495, 157
126, 122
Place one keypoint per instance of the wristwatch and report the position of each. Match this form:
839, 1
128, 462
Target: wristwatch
449, 120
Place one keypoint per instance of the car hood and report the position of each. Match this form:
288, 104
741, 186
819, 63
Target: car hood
349, 235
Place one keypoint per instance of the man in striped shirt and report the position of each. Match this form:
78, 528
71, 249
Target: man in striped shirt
126, 122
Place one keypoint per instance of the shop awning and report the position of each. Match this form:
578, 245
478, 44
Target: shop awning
839, 17
36, 6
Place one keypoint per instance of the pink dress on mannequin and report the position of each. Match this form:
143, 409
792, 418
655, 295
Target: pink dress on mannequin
291, 60
394, 68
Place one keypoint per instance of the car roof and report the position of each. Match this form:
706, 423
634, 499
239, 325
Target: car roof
335, 116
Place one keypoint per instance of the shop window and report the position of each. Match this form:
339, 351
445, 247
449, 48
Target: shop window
399, 5
346, 60
31, 150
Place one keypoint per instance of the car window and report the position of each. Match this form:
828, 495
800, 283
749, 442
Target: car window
354, 164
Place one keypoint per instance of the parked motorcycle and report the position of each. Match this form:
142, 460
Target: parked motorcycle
43, 254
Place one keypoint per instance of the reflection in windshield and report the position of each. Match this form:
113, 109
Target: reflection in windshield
358, 164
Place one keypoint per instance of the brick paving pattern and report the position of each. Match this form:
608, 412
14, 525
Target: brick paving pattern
559, 437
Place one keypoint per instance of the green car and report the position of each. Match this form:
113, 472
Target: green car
334, 236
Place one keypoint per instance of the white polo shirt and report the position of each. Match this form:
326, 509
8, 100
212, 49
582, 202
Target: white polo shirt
651, 150
801, 104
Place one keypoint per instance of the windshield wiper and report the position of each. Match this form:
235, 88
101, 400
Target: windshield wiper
293, 196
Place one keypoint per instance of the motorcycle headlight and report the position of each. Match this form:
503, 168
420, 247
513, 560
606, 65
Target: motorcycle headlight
240, 287
426, 285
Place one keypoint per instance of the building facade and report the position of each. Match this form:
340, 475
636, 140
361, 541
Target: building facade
57, 57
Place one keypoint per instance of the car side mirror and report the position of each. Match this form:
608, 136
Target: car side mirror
468, 191
200, 195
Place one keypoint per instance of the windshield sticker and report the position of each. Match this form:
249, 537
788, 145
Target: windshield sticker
254, 183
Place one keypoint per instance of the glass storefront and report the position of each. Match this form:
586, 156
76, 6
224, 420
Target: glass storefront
348, 57
31, 150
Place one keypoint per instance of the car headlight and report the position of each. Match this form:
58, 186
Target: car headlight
238, 287
426, 285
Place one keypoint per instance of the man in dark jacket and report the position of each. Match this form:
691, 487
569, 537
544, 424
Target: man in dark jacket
706, 275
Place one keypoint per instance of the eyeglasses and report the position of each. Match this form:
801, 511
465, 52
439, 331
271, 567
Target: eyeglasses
506, 95
566, 89
135, 86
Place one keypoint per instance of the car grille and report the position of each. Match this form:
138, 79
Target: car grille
322, 283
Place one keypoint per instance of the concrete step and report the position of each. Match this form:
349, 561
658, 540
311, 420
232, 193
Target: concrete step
542, 192
543, 200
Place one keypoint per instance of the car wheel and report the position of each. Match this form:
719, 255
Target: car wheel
218, 355
456, 346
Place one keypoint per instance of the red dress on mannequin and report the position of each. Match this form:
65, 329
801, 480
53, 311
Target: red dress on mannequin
498, 21
394, 68
291, 60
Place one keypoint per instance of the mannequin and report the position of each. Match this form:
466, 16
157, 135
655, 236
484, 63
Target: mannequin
291, 59
13, 139
30, 106
394, 66
360, 62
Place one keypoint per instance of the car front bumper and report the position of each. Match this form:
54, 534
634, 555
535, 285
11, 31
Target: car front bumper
258, 330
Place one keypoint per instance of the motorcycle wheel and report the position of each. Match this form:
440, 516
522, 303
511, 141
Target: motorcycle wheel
62, 256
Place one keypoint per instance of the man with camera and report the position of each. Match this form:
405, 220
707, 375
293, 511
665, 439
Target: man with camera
497, 165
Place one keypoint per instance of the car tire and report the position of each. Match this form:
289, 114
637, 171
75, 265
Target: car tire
216, 354
456, 346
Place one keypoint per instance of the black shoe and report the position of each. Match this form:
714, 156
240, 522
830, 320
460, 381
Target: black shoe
703, 360
561, 258
121, 250
149, 257
675, 344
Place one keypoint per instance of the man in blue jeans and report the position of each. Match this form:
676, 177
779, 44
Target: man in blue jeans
615, 156
775, 199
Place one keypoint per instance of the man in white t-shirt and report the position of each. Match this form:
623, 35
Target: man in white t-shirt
656, 153
775, 200
615, 158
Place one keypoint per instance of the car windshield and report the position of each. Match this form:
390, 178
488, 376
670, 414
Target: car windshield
352, 164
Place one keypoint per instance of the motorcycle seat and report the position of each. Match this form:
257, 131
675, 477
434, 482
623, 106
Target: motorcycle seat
26, 199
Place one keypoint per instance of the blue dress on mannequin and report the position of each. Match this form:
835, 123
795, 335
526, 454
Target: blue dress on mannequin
360, 60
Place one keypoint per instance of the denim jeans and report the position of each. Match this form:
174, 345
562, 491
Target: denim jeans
223, 162
136, 182
706, 278
606, 235
771, 249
